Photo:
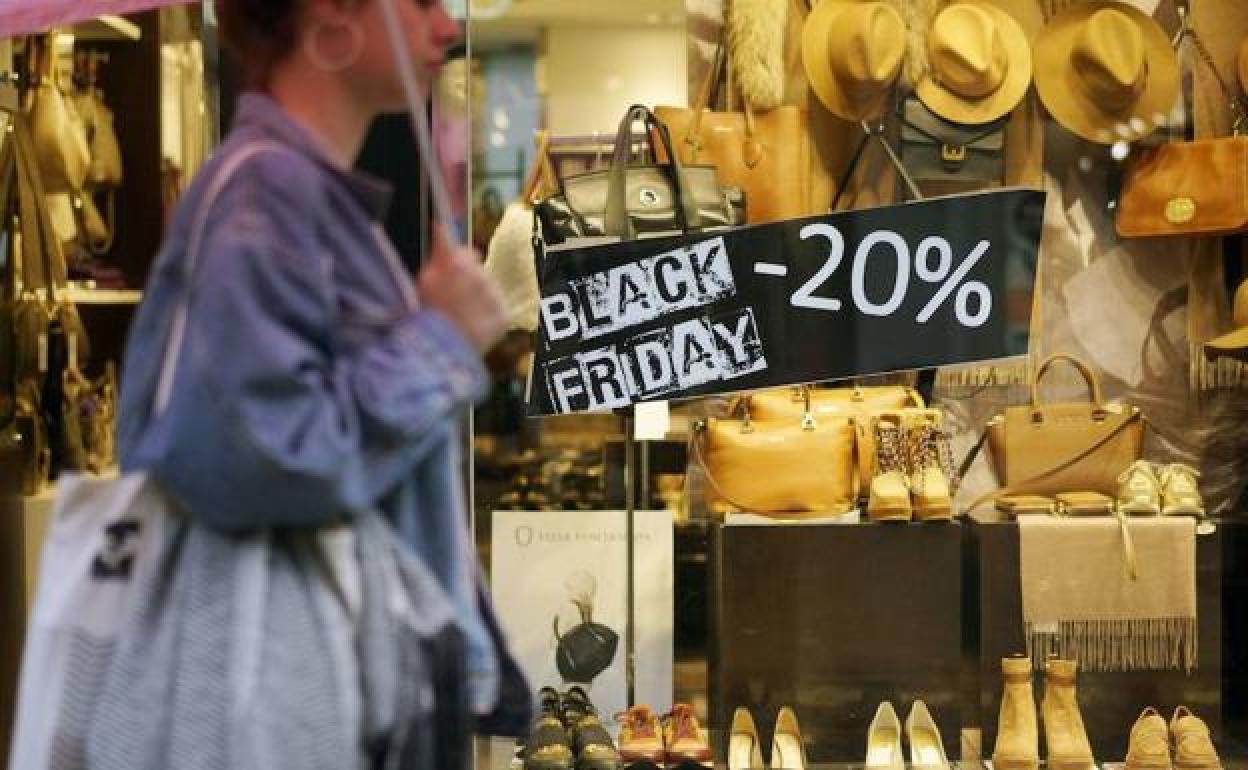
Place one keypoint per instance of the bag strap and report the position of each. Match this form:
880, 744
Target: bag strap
878, 134
1236, 103
1094, 384
1011, 489
618, 223
181, 310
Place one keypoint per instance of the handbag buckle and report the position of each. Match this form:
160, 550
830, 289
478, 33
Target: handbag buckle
952, 156
1180, 210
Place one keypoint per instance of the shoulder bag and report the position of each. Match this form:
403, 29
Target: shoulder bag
787, 468
627, 200
766, 154
1194, 188
1053, 448
60, 138
936, 150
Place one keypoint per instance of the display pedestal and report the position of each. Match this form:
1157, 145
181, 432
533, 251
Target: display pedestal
1110, 702
832, 620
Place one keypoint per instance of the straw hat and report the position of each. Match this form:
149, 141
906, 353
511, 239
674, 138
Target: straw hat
852, 51
979, 64
1106, 71
1234, 344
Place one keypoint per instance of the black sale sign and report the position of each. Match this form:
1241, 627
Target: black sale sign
930, 283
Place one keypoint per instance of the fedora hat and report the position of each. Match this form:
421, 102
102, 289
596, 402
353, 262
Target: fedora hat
1106, 71
1233, 344
979, 64
853, 51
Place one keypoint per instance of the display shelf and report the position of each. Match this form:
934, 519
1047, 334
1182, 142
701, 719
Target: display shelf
108, 29
105, 296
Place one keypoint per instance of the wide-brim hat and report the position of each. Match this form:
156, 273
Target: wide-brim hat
1061, 83
1014, 76
876, 54
1233, 344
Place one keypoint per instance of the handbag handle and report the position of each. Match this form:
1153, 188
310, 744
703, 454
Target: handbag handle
702, 105
1094, 385
617, 221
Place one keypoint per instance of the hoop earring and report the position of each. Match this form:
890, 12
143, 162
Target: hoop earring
312, 48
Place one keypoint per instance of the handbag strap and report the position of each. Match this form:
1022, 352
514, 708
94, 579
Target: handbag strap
1236, 103
1094, 384
719, 68
878, 134
1011, 489
181, 310
618, 223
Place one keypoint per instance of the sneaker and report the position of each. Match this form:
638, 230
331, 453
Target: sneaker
683, 735
548, 746
1139, 490
931, 468
1180, 491
889, 499
641, 736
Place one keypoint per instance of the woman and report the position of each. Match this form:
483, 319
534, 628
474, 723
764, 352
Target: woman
316, 378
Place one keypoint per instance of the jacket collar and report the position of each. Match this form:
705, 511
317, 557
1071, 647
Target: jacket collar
258, 111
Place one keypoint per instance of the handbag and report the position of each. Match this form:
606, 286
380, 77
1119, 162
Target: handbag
585, 650
786, 468
60, 138
854, 402
1049, 449
1197, 188
1193, 188
627, 200
936, 150
768, 155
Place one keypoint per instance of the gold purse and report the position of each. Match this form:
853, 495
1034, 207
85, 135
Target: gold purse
60, 138
852, 402
1049, 449
787, 468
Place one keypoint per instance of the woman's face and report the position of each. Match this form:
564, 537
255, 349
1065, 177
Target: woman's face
374, 78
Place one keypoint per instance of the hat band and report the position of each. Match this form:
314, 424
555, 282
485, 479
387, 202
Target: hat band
968, 90
1117, 99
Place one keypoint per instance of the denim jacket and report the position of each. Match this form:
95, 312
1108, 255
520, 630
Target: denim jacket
310, 383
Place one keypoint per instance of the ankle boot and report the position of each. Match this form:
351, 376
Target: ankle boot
931, 467
1065, 737
1018, 742
890, 483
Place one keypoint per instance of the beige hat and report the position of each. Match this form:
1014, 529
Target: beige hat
852, 51
1106, 71
979, 64
1234, 344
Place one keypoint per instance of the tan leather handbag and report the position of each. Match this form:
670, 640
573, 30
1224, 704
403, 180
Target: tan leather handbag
853, 402
59, 135
767, 154
1195, 188
1187, 188
789, 468
1049, 449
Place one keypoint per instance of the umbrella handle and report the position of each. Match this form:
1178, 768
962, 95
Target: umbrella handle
420, 125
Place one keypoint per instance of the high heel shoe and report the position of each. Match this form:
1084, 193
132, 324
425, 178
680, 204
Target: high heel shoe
787, 750
927, 748
744, 751
884, 740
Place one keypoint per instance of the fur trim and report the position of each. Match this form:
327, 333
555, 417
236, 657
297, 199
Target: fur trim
918, 15
756, 30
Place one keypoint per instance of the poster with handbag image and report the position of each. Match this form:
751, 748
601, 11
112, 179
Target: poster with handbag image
560, 587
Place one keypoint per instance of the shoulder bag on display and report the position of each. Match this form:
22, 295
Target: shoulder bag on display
628, 201
791, 467
1194, 188
1053, 448
936, 150
766, 154
585, 650
60, 138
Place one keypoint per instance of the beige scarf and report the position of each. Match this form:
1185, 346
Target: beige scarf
1081, 601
